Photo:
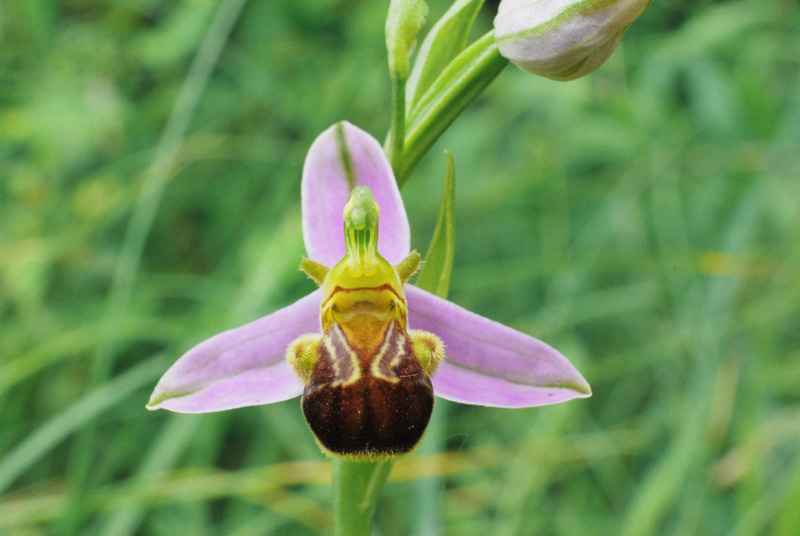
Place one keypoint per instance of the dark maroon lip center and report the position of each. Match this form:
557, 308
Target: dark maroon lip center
368, 404
370, 416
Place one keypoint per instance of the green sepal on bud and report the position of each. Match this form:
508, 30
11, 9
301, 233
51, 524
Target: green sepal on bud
562, 39
403, 24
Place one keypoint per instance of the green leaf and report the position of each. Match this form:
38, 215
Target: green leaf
445, 41
71, 419
447, 77
461, 82
435, 274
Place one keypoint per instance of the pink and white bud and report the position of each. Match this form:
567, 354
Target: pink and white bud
562, 39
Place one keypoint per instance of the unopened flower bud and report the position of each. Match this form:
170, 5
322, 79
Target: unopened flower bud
562, 39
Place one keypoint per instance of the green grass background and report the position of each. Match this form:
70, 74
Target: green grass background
645, 220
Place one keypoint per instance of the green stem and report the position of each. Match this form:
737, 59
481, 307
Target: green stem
395, 142
356, 486
461, 82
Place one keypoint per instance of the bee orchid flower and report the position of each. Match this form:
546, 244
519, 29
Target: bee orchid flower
366, 351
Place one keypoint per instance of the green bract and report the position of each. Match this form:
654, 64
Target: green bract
562, 39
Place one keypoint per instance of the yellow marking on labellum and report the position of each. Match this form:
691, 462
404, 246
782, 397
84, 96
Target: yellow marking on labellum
391, 349
346, 362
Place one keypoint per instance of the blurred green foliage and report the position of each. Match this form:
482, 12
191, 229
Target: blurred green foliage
644, 220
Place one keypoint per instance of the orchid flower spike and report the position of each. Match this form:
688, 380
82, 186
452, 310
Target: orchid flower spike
366, 351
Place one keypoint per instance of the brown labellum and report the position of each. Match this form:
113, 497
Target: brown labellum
368, 402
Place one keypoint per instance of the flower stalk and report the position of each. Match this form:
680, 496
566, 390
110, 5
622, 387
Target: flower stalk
356, 487
395, 142
403, 24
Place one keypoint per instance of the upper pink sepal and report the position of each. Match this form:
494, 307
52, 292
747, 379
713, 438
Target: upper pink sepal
241, 367
489, 364
342, 157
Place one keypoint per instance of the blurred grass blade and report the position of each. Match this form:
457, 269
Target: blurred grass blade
47, 436
139, 228
446, 40
435, 274
173, 438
